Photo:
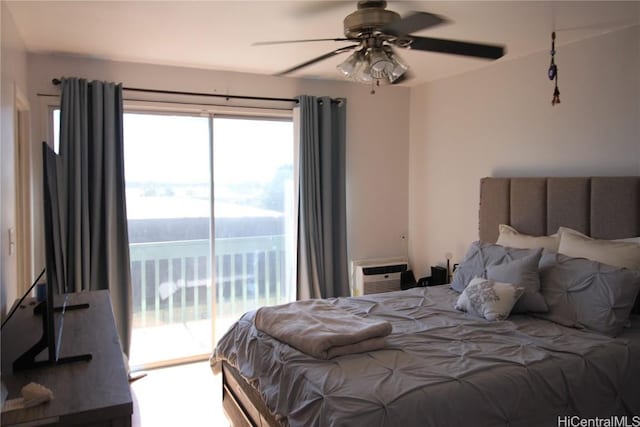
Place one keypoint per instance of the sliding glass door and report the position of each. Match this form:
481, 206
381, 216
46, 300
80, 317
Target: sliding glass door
253, 180
168, 179
193, 180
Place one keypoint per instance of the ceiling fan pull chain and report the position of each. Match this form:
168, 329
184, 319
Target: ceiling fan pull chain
374, 83
553, 70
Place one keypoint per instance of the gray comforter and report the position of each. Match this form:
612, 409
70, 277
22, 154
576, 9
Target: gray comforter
441, 367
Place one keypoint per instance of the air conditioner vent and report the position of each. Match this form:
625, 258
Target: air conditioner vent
376, 276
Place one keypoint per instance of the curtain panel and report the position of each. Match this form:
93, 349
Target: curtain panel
96, 237
322, 236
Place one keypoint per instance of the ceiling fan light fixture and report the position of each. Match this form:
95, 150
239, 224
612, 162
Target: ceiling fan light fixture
380, 64
373, 65
348, 66
356, 66
399, 67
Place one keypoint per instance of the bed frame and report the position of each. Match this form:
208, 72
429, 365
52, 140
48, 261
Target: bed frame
242, 403
602, 207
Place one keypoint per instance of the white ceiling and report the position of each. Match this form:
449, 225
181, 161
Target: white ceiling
219, 34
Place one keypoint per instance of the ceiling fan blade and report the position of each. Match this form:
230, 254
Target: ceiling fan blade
299, 41
318, 59
416, 21
457, 47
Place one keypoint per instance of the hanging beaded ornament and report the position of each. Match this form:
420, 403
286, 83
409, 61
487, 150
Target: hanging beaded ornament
553, 70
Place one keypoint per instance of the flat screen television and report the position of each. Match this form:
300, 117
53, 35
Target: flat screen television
53, 233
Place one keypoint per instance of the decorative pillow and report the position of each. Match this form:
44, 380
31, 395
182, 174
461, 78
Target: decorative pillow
587, 294
522, 272
482, 255
509, 236
489, 299
618, 254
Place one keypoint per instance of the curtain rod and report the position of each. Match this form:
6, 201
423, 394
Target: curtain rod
217, 95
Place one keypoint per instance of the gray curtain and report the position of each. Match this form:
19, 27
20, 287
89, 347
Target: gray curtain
322, 229
92, 157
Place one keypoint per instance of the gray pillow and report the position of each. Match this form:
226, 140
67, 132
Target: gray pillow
587, 294
482, 255
522, 272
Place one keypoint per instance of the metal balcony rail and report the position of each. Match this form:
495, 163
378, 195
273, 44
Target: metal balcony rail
172, 280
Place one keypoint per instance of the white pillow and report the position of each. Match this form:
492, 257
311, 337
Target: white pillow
616, 253
561, 230
489, 299
509, 236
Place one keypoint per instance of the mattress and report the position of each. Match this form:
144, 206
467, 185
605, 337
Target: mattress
441, 367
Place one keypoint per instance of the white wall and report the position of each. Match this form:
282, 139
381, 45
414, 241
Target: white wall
441, 137
13, 78
498, 121
377, 134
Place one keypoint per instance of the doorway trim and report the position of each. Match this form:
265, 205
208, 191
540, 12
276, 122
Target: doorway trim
23, 190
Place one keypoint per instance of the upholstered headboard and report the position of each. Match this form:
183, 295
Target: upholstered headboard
601, 207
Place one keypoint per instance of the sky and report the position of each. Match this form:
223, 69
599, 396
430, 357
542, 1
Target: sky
175, 148
163, 148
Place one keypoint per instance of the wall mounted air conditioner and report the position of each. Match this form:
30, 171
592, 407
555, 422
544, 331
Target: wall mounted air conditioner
378, 275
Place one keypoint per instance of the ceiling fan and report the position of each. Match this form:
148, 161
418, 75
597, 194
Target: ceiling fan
376, 31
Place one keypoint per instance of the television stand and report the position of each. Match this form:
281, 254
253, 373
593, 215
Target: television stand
28, 359
90, 394
59, 309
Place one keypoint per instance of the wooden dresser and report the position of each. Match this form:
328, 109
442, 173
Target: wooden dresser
93, 393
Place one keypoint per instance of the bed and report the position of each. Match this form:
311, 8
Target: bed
441, 366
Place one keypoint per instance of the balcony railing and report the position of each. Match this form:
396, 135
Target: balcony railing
172, 280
